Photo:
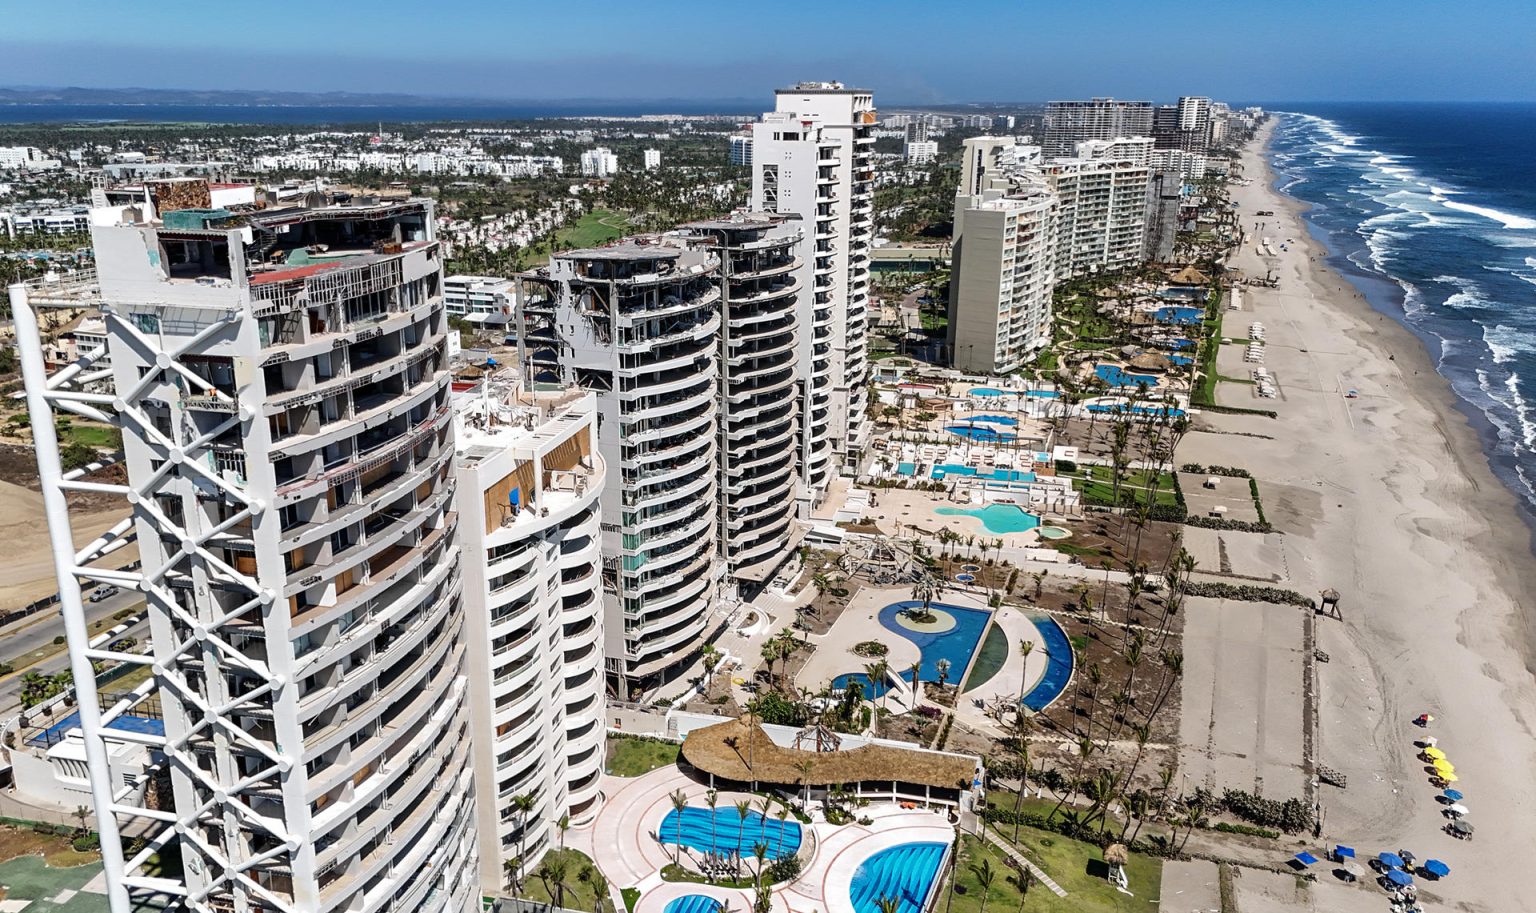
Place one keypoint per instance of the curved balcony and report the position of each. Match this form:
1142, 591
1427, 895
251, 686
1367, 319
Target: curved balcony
703, 395
703, 329
673, 455
680, 423
752, 384
674, 381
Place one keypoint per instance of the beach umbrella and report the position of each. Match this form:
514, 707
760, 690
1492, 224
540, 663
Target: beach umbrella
1437, 868
1453, 794
1344, 852
1457, 810
1461, 826
1429, 741
1354, 869
1400, 878
1444, 766
1390, 860
1305, 858
1434, 754
1448, 776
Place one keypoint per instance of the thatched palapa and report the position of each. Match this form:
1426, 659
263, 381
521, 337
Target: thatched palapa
725, 749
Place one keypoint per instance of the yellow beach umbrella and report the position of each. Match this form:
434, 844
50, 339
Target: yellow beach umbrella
1434, 754
1449, 777
1444, 766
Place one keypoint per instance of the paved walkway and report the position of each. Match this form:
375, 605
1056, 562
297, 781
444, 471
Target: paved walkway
1018, 857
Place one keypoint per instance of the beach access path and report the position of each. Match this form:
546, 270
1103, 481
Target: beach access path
1389, 499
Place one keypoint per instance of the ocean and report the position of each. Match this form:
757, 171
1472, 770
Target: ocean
1430, 210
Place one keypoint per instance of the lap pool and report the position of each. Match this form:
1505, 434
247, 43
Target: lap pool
997, 475
906, 872
982, 432
1058, 669
725, 831
954, 638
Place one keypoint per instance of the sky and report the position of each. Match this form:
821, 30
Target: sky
908, 52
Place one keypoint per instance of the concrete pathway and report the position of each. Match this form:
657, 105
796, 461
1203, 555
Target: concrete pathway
1018, 857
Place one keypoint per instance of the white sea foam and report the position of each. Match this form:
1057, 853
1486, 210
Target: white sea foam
1505, 342
1508, 220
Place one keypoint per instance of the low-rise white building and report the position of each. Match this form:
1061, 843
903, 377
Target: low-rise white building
922, 152
480, 299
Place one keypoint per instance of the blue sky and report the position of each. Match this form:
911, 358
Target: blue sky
913, 52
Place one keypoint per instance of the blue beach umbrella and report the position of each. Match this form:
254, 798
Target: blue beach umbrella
1437, 868
1400, 878
1344, 852
1453, 794
1305, 858
1391, 860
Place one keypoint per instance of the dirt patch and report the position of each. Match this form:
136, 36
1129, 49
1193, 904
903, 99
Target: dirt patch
16, 842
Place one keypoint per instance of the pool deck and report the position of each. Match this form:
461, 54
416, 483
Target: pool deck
622, 840
910, 509
860, 621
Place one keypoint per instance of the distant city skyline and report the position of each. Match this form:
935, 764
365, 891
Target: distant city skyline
913, 53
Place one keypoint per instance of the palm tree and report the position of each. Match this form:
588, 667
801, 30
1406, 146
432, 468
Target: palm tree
743, 808
512, 867
712, 798
1026, 647
564, 824
522, 807
553, 872
679, 804
942, 667
984, 878
888, 905
877, 672
783, 816
804, 768
760, 853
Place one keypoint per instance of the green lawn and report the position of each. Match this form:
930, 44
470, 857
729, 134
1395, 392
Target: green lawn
592, 229
100, 436
538, 883
1097, 486
630, 757
1074, 865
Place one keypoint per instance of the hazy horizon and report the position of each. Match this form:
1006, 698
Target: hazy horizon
910, 53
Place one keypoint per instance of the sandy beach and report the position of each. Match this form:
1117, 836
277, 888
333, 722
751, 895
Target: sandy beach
1388, 499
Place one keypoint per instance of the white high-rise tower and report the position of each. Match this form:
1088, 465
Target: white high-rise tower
813, 156
288, 446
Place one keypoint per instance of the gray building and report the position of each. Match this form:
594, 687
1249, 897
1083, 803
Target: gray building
1068, 123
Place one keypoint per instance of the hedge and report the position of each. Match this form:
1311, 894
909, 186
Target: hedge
1248, 593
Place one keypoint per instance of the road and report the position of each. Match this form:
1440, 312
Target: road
37, 632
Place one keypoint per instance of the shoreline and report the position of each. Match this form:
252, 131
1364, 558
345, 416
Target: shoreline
1390, 499
1390, 301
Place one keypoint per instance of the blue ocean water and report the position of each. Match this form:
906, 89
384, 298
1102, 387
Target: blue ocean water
354, 114
1430, 209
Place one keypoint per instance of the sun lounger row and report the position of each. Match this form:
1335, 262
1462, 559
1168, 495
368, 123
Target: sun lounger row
1266, 384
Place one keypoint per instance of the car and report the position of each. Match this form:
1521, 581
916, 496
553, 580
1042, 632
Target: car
1265, 212
105, 592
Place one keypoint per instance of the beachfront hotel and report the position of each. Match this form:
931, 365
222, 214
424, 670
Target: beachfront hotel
637, 323
282, 390
529, 482
1068, 123
813, 156
1102, 211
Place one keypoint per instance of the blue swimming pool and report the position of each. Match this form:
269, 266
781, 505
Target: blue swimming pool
124, 723
906, 872
1180, 360
956, 645
1115, 376
692, 903
729, 832
994, 419
998, 475
906, 469
1136, 410
982, 433
988, 391
1058, 671
997, 518
1179, 316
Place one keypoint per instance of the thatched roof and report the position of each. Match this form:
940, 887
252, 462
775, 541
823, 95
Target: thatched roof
724, 748
1150, 361
1117, 854
1190, 276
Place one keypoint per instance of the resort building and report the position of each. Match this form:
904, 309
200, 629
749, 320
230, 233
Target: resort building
1137, 150
1002, 276
813, 156
288, 445
1101, 216
599, 163
1164, 191
762, 435
741, 148
529, 482
480, 299
1068, 123
638, 324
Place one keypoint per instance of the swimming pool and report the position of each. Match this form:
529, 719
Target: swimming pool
1043, 394
997, 475
1116, 376
997, 518
123, 723
988, 391
1058, 670
906, 872
728, 832
906, 469
994, 419
1180, 360
1181, 316
982, 433
692, 903
1053, 532
955, 644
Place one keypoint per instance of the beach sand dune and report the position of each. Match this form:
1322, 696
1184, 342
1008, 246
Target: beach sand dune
1389, 499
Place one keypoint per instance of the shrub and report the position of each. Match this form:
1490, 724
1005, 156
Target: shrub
1291, 815
785, 869
58, 641
1248, 829
870, 648
1066, 466
1236, 526
85, 843
1248, 593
